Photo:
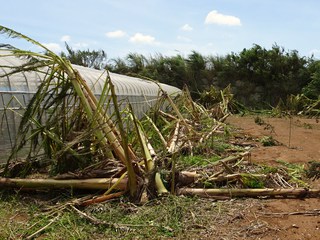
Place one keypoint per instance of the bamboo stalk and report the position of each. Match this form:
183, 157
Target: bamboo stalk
235, 176
186, 178
120, 179
89, 107
148, 161
102, 198
230, 159
168, 115
110, 123
233, 192
173, 173
133, 184
164, 142
94, 183
173, 142
103, 123
203, 138
224, 117
181, 118
191, 102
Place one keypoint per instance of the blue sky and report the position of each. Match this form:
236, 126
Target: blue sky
169, 27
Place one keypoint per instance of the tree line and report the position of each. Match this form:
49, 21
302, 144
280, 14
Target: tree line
258, 77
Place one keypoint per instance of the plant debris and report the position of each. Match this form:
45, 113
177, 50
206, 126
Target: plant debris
135, 157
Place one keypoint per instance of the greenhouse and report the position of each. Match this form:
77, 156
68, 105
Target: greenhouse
16, 90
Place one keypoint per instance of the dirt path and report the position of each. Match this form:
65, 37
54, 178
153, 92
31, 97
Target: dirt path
283, 218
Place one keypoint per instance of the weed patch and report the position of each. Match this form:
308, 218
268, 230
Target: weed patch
268, 141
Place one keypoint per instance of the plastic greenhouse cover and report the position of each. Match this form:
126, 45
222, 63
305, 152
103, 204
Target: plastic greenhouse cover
124, 85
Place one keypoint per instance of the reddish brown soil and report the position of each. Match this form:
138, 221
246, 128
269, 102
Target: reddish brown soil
282, 218
301, 147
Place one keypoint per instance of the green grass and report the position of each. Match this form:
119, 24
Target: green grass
268, 169
197, 160
170, 217
268, 141
250, 181
296, 172
23, 217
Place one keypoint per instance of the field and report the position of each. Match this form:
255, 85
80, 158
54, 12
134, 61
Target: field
284, 218
23, 214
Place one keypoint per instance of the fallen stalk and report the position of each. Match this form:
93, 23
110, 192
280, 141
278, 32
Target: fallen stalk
264, 192
102, 198
314, 212
163, 141
231, 159
236, 176
185, 178
210, 133
94, 183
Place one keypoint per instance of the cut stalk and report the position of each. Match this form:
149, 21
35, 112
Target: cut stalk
161, 189
173, 142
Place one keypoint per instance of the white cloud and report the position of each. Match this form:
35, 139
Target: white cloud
141, 38
186, 28
214, 17
116, 34
54, 47
65, 38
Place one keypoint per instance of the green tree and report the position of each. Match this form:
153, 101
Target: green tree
118, 65
136, 62
175, 70
92, 59
196, 64
258, 77
312, 89
262, 77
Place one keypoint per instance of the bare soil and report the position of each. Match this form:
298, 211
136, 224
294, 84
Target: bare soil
299, 140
